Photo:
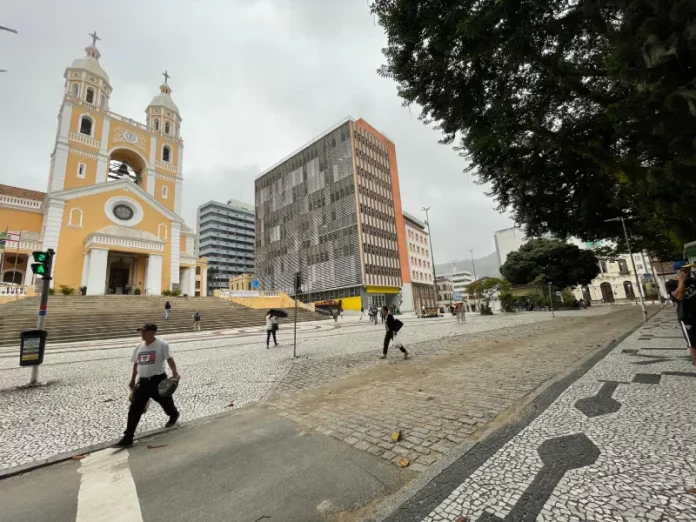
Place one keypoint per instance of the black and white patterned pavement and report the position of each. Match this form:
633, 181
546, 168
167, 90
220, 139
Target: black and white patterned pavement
617, 444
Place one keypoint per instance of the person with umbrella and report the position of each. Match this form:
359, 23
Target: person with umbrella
272, 325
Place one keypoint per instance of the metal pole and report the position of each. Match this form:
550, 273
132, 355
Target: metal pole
14, 270
654, 278
640, 290
432, 253
551, 301
43, 308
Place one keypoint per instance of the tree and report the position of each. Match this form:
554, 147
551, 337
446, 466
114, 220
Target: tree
486, 288
543, 261
574, 111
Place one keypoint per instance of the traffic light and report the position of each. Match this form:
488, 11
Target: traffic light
298, 282
42, 264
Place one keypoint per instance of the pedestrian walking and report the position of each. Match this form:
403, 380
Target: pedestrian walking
271, 328
340, 311
362, 313
392, 326
196, 321
334, 313
683, 292
167, 310
460, 313
148, 366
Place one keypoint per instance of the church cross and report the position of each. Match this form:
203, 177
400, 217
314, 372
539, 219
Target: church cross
94, 37
166, 76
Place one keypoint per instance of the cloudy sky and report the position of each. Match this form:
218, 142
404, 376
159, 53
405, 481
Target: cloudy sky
254, 80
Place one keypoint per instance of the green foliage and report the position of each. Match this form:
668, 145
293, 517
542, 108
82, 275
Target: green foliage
507, 300
51, 291
66, 290
166, 293
486, 308
541, 261
175, 293
573, 112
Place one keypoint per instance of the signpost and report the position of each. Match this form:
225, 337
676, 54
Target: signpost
254, 283
42, 265
298, 287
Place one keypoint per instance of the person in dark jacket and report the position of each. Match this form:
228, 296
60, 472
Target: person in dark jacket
392, 326
682, 290
167, 310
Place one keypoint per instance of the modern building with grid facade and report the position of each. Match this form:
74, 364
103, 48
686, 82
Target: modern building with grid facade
332, 211
226, 234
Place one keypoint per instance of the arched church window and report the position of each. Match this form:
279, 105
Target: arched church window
90, 95
162, 231
166, 154
86, 126
73, 90
157, 124
75, 218
166, 128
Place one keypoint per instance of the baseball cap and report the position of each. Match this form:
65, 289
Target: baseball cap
148, 326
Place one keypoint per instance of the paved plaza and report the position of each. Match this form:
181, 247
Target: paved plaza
84, 397
617, 445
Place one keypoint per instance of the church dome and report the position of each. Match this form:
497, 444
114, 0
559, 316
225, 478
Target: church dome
163, 99
90, 63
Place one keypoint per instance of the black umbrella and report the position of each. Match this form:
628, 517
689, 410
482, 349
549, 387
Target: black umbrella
279, 313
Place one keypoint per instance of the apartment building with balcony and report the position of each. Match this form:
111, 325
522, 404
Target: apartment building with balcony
420, 292
332, 211
226, 234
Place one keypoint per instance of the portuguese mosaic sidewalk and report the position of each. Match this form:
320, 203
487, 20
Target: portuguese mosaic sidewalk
619, 445
447, 394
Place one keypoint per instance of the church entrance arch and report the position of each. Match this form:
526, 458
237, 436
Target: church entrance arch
607, 293
126, 163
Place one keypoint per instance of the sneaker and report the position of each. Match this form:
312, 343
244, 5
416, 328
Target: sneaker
382, 356
172, 421
125, 442
406, 355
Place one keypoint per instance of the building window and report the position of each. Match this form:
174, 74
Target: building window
74, 90
165, 191
90, 95
81, 170
75, 218
162, 231
86, 125
166, 127
166, 154
156, 124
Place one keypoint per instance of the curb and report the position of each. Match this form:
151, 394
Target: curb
545, 395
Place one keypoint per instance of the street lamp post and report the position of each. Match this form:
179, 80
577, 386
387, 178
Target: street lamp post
432, 253
633, 263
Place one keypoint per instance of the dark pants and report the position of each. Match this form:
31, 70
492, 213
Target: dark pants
147, 389
268, 337
387, 339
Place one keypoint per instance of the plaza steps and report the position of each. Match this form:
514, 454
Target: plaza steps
85, 318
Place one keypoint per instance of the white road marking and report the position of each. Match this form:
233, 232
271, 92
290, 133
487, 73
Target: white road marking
107, 491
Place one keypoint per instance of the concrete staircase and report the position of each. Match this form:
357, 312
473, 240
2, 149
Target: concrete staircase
84, 318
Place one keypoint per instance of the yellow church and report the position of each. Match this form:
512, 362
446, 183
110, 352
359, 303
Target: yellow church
112, 207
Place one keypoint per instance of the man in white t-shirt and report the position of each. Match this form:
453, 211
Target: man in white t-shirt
148, 365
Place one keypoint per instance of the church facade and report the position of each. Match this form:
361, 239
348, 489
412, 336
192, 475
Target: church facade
112, 208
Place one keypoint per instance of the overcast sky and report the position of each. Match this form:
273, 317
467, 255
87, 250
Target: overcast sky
254, 80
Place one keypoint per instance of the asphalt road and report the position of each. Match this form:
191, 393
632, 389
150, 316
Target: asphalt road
250, 466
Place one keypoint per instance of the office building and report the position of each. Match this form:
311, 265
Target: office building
226, 235
508, 240
445, 293
460, 281
420, 292
332, 211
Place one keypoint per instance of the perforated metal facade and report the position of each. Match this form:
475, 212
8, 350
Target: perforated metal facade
328, 212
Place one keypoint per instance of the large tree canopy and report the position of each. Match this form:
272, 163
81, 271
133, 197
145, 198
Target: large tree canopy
550, 261
575, 111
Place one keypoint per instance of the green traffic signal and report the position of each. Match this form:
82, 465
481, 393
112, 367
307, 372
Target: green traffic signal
42, 266
38, 269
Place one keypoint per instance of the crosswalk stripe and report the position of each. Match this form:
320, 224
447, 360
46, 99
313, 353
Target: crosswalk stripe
107, 490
